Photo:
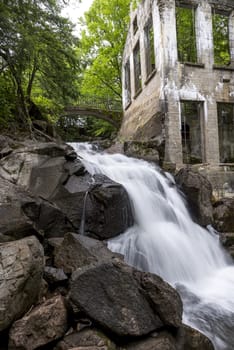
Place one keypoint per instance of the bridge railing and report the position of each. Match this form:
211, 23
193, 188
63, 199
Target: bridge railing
107, 104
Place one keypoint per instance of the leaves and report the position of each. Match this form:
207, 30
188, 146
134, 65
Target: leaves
37, 50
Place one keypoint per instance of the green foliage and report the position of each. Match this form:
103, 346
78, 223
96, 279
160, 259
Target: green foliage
101, 48
102, 45
186, 37
37, 53
221, 40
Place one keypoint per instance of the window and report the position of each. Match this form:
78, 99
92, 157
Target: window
226, 132
127, 83
137, 68
192, 142
221, 38
135, 25
186, 34
149, 47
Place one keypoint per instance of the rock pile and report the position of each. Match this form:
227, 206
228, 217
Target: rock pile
62, 290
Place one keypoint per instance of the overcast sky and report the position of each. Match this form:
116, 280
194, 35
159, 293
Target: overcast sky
76, 10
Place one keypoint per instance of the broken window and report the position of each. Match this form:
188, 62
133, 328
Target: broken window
221, 38
127, 83
226, 132
149, 47
192, 142
137, 68
186, 34
135, 25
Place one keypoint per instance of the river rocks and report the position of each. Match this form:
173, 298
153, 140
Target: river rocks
69, 198
101, 203
108, 209
122, 299
48, 220
13, 221
224, 215
158, 341
192, 339
44, 324
224, 222
86, 339
21, 268
76, 251
198, 191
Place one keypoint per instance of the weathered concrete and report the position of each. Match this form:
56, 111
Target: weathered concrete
155, 111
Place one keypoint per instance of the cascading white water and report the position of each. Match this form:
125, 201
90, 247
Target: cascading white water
165, 241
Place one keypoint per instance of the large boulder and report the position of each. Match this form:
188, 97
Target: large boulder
81, 202
198, 191
21, 269
44, 324
17, 167
95, 205
13, 221
124, 300
48, 219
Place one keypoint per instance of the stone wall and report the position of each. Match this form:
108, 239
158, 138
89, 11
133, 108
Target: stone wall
155, 112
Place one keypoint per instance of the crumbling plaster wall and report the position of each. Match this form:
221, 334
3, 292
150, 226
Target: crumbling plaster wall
174, 81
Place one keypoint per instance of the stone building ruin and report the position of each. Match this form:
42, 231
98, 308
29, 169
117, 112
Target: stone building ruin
178, 82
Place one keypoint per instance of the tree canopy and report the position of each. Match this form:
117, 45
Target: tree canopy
37, 56
102, 43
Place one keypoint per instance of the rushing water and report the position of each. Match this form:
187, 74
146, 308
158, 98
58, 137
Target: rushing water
165, 241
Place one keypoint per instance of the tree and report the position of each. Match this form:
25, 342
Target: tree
37, 52
102, 45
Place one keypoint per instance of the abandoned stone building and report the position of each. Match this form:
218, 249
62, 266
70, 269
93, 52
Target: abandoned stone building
178, 82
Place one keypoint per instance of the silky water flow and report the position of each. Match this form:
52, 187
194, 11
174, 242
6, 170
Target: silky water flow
164, 240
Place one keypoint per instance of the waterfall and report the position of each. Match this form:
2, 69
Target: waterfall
164, 240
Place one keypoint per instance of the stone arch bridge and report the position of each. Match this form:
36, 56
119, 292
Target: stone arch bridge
106, 109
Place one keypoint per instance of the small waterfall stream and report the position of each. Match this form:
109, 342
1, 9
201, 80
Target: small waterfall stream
165, 241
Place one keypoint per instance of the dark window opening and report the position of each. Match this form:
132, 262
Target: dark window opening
127, 83
191, 135
186, 34
137, 68
226, 132
220, 23
149, 47
135, 25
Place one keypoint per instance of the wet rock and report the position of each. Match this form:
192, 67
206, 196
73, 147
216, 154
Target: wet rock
192, 339
103, 204
198, 191
118, 298
109, 210
44, 324
158, 341
164, 300
224, 215
76, 251
21, 269
86, 339
52, 173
